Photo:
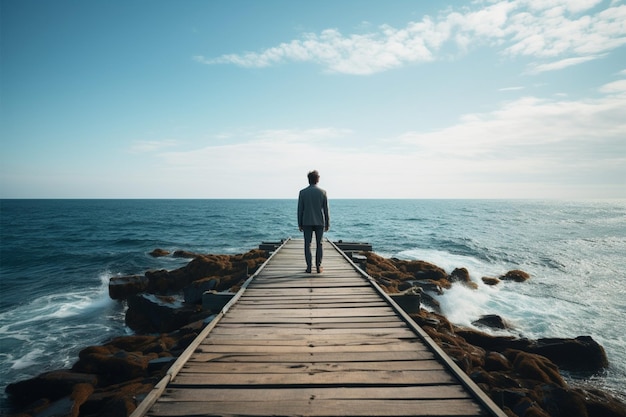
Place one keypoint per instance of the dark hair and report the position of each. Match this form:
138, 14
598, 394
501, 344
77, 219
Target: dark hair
314, 177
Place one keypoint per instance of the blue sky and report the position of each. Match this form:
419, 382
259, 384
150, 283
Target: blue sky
240, 99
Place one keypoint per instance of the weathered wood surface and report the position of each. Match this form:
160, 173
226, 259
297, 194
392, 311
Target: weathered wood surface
329, 344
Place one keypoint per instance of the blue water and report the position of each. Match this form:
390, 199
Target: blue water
56, 257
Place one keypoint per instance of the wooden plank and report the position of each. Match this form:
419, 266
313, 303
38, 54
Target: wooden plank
321, 408
283, 368
252, 299
319, 312
310, 284
310, 320
338, 323
206, 355
311, 306
351, 291
345, 337
311, 345
377, 328
314, 344
334, 393
429, 377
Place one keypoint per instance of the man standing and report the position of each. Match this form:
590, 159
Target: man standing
313, 217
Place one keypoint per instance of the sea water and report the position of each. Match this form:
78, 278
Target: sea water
57, 256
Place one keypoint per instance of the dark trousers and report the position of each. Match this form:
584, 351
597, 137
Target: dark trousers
308, 237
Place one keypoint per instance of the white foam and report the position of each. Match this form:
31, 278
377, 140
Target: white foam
449, 261
530, 308
462, 305
27, 360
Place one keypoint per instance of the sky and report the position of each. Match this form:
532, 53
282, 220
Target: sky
242, 98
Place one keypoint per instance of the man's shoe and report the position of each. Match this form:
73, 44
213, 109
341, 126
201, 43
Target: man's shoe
319, 269
308, 270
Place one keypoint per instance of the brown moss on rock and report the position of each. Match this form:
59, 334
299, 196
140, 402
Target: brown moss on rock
515, 275
521, 376
121, 288
520, 381
490, 280
54, 384
159, 252
462, 275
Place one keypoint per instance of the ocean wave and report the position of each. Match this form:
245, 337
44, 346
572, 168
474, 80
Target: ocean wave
55, 254
29, 359
37, 332
477, 267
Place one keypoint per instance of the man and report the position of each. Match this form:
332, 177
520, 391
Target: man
313, 217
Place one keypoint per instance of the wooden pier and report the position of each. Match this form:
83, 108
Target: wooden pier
330, 344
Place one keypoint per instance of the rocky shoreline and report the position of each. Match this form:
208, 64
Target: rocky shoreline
166, 312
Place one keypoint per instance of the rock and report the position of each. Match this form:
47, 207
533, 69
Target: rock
145, 343
232, 270
80, 394
490, 280
66, 407
118, 400
520, 375
459, 275
160, 363
148, 313
161, 282
428, 285
159, 252
113, 365
491, 320
496, 361
505, 379
528, 408
560, 401
185, 254
408, 300
402, 270
209, 266
53, 385
582, 354
509, 397
534, 367
120, 288
600, 404
515, 275
215, 301
462, 275
421, 269
490, 342
430, 301
405, 285
193, 292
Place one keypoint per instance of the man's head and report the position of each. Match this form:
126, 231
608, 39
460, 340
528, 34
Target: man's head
314, 177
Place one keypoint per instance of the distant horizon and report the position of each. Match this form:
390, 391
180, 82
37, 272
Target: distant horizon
616, 199
512, 99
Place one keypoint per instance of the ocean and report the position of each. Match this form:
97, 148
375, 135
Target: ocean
56, 258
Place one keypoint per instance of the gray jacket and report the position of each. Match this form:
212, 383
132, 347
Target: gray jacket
313, 207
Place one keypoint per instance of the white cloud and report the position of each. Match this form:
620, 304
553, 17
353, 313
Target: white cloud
556, 30
557, 65
529, 147
614, 87
316, 135
143, 146
354, 54
270, 151
532, 125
